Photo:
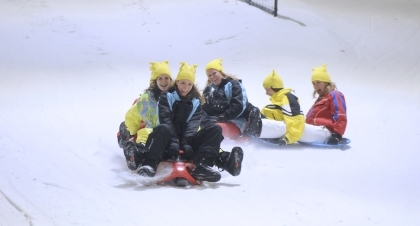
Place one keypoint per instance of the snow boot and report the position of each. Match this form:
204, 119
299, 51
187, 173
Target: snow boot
231, 161
146, 171
149, 166
123, 135
203, 172
254, 124
134, 154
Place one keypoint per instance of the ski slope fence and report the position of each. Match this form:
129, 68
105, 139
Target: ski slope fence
269, 8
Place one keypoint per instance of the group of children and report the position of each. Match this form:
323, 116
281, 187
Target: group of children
172, 116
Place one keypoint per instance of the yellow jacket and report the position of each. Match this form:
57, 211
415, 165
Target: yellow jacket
143, 111
285, 107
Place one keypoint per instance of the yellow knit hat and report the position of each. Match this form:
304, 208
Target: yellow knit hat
321, 74
186, 72
159, 68
273, 80
215, 64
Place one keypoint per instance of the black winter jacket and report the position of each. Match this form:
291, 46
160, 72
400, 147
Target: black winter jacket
228, 100
182, 114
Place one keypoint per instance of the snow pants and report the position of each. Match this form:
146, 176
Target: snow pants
311, 133
272, 128
315, 134
205, 144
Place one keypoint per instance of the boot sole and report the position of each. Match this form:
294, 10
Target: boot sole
210, 177
202, 177
239, 156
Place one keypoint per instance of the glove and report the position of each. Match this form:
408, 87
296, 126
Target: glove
334, 139
283, 141
173, 149
188, 151
219, 105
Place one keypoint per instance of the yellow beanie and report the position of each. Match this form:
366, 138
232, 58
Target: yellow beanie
215, 64
186, 72
159, 68
321, 74
273, 80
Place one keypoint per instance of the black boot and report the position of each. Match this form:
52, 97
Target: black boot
231, 161
146, 171
149, 167
123, 136
204, 171
254, 124
132, 156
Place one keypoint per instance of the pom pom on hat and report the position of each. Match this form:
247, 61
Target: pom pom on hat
159, 68
321, 74
187, 72
215, 64
273, 80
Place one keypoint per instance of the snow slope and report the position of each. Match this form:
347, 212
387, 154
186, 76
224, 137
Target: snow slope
69, 70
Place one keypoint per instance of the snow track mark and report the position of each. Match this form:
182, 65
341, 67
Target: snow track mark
27, 216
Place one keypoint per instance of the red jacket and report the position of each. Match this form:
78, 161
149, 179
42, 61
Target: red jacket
329, 111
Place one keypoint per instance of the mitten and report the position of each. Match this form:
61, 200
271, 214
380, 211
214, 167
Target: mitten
219, 105
173, 149
334, 139
283, 141
188, 151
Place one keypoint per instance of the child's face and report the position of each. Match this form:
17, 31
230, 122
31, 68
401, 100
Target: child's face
319, 87
269, 91
163, 82
214, 76
184, 86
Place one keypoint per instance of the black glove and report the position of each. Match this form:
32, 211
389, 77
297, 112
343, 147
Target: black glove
283, 141
173, 149
188, 151
219, 105
334, 139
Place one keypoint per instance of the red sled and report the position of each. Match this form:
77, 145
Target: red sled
232, 132
181, 170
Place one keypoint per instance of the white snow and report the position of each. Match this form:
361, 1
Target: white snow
69, 70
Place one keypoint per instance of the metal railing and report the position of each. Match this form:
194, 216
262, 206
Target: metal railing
270, 9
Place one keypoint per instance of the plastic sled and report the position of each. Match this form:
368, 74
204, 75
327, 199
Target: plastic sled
230, 130
344, 142
180, 174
